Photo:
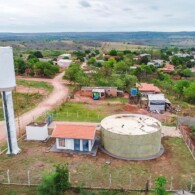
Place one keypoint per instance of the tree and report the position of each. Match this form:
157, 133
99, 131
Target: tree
91, 61
144, 70
180, 86
144, 60
38, 54
76, 75
20, 66
129, 81
189, 93
160, 186
45, 69
121, 67
113, 52
186, 73
176, 61
55, 183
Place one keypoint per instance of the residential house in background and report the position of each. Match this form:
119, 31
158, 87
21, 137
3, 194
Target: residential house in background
146, 89
63, 63
168, 68
156, 63
64, 56
100, 92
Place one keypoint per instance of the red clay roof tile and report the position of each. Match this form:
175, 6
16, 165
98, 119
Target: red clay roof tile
70, 131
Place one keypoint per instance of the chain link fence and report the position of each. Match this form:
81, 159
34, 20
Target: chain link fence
105, 180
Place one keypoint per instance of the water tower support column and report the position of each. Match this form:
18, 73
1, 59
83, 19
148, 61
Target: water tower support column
10, 123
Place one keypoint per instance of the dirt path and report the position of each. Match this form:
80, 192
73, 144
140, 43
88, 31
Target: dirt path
58, 96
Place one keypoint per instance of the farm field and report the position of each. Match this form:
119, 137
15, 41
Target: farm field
175, 164
122, 46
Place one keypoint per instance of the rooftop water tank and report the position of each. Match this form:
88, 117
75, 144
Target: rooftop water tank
7, 73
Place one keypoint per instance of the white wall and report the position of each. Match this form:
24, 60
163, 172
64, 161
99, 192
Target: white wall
36, 132
157, 107
69, 144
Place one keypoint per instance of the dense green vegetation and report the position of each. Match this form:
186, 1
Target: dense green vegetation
117, 68
33, 67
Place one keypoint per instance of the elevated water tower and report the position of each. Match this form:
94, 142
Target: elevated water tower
7, 84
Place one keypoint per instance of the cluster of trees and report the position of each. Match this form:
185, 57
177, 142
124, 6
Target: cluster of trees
186, 90
76, 75
182, 89
105, 76
32, 66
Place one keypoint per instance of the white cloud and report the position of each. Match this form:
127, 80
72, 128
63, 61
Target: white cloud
96, 15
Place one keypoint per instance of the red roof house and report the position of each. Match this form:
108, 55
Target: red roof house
168, 68
74, 137
145, 88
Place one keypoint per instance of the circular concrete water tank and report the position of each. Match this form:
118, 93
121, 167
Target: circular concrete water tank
7, 72
131, 136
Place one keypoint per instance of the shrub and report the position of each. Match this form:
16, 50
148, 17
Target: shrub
55, 183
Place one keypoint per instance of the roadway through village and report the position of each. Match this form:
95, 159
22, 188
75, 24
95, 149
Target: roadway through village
57, 97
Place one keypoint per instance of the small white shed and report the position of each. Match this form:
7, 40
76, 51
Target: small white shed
35, 131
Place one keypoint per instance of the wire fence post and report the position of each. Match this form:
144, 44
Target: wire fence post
129, 181
28, 177
191, 184
171, 185
69, 177
110, 181
150, 182
8, 177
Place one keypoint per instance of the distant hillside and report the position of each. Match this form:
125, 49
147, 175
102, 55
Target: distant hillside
140, 38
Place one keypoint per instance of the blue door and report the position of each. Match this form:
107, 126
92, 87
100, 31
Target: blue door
77, 144
85, 145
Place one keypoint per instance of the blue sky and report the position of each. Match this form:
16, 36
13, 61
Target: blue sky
96, 15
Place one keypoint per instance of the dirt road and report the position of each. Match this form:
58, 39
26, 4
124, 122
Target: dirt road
56, 98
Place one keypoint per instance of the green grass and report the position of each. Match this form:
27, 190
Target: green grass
17, 190
93, 171
22, 103
35, 84
26, 190
77, 112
